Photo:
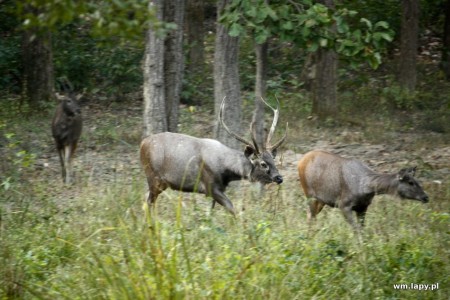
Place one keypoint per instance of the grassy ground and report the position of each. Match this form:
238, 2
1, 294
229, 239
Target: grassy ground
94, 240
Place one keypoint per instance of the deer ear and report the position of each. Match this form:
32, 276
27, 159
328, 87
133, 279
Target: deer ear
59, 97
406, 172
274, 152
249, 150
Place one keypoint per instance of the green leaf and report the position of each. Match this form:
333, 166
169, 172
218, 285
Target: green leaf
272, 14
342, 28
235, 30
310, 23
251, 12
301, 19
385, 36
306, 32
262, 36
382, 24
288, 25
367, 22
313, 46
263, 13
357, 34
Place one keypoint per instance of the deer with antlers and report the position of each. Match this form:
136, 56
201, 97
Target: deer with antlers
206, 166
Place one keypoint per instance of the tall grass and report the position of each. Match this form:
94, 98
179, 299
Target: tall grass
95, 241
102, 245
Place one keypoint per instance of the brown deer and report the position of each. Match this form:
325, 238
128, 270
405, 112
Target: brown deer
350, 185
206, 166
66, 130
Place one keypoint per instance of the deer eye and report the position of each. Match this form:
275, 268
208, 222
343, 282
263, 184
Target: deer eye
411, 183
263, 165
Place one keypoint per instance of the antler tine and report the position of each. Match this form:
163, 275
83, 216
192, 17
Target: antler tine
239, 138
278, 144
276, 113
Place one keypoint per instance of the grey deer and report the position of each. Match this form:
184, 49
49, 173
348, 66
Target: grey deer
67, 125
206, 166
350, 185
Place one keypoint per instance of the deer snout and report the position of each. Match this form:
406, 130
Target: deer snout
278, 179
425, 198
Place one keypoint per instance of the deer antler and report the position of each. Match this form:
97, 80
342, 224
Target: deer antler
239, 138
274, 122
276, 113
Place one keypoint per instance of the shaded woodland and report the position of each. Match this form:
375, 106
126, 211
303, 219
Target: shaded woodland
362, 79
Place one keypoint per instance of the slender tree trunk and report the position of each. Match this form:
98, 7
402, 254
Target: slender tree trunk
38, 67
445, 64
325, 81
195, 36
155, 119
261, 51
407, 76
226, 81
325, 84
173, 61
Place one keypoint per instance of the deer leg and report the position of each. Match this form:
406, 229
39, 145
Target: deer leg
68, 163
361, 215
152, 195
315, 207
220, 197
61, 161
348, 214
154, 189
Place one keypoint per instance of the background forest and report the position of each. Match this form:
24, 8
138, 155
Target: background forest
364, 79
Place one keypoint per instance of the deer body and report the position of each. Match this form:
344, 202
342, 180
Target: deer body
350, 185
66, 130
206, 166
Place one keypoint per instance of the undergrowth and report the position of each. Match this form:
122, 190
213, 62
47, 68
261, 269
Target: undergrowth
104, 245
94, 240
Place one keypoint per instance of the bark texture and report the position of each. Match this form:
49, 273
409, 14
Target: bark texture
261, 51
154, 92
173, 61
445, 64
195, 35
226, 82
324, 88
407, 76
37, 58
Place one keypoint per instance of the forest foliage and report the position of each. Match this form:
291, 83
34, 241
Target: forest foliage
94, 239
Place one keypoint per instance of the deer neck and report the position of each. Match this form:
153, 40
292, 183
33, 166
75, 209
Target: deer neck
384, 183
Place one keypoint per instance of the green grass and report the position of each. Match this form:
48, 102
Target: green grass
102, 245
94, 240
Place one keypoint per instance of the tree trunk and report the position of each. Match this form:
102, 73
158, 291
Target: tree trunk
226, 81
173, 61
445, 64
261, 51
38, 67
324, 89
325, 84
407, 76
195, 36
155, 119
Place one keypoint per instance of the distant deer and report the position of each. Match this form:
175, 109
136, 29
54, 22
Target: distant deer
66, 130
206, 166
348, 184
